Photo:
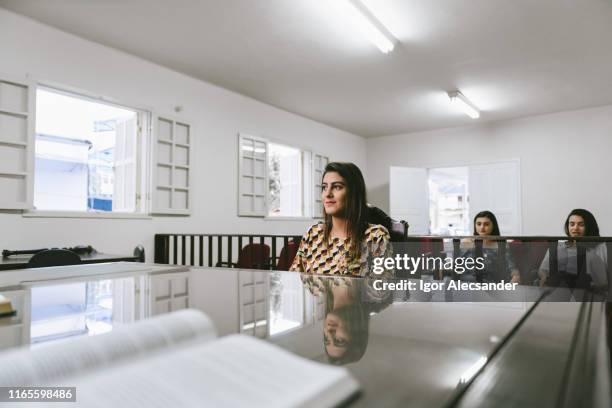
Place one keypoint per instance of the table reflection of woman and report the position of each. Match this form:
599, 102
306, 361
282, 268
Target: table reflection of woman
579, 223
349, 304
344, 243
485, 224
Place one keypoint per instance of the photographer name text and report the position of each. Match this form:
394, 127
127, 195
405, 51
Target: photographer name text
429, 286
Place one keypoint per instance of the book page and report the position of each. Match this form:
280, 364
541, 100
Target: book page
233, 371
47, 363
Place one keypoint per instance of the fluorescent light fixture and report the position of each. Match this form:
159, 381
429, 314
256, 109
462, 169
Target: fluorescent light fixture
358, 15
461, 102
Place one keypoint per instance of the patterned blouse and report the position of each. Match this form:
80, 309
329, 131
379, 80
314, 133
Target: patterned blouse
332, 258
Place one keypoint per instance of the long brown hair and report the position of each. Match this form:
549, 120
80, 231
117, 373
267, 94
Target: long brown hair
356, 317
355, 209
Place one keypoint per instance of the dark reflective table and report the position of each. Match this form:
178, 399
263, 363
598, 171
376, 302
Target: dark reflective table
405, 348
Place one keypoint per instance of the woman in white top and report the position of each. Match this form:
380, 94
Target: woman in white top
579, 223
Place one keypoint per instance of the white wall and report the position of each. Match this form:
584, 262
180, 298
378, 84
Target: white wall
565, 162
217, 115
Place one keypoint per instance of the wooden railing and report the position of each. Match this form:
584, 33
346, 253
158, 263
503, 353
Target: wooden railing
220, 249
223, 250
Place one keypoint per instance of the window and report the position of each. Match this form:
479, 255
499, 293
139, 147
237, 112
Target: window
68, 153
87, 154
444, 200
276, 180
172, 166
285, 186
252, 153
318, 167
16, 143
448, 202
81, 308
286, 298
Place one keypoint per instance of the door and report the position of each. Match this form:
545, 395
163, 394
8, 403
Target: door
496, 187
408, 198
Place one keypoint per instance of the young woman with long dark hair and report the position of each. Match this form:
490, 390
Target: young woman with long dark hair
345, 241
579, 223
485, 224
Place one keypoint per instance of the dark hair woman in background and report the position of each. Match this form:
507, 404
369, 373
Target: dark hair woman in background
579, 223
343, 243
485, 224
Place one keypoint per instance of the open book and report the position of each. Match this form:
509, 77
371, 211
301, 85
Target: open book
175, 360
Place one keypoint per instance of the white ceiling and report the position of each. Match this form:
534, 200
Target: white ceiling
512, 58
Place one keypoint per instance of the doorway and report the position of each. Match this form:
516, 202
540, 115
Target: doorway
444, 200
448, 201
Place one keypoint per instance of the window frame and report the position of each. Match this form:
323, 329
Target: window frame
303, 204
308, 181
27, 173
241, 174
154, 206
143, 156
317, 203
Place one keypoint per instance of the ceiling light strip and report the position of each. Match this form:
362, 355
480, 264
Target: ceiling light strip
363, 19
464, 104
